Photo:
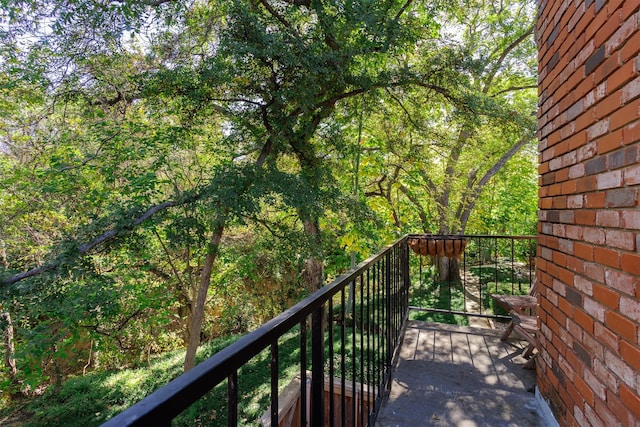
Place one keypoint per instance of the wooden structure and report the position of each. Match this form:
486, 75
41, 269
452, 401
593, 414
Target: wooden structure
524, 305
289, 404
527, 327
522, 310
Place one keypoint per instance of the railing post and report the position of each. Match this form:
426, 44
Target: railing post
406, 277
317, 367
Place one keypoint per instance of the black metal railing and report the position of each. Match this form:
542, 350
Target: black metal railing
456, 274
347, 332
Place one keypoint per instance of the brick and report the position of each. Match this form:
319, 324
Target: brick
555, 163
631, 90
575, 110
598, 129
621, 239
607, 218
567, 217
575, 17
620, 198
559, 287
585, 217
583, 251
595, 200
575, 265
623, 371
620, 281
630, 308
629, 8
559, 258
595, 95
587, 151
625, 157
630, 263
578, 171
631, 133
603, 372
572, 395
595, 418
630, 49
573, 328
562, 175
594, 235
605, 412
630, 399
606, 256
623, 415
630, 354
610, 142
609, 180
623, 33
580, 419
630, 219
608, 105
606, 296
575, 202
632, 175
621, 325
606, 336
566, 275
594, 60
594, 384
554, 189
577, 139
625, 115
582, 354
593, 346
596, 165
595, 309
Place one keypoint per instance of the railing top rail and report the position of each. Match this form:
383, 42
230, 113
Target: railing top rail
181, 392
471, 236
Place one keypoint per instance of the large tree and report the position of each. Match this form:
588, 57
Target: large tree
159, 116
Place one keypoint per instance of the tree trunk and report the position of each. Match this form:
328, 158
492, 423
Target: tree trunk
198, 308
198, 312
9, 349
448, 269
313, 273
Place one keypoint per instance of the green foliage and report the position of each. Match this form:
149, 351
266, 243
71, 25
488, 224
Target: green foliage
132, 131
94, 398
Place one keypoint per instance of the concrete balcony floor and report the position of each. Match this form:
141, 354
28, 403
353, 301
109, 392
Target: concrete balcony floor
459, 376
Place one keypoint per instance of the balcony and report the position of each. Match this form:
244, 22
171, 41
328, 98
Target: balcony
366, 346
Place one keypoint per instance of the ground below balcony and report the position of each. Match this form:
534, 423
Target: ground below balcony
459, 376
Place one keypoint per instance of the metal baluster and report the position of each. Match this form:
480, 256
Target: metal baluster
232, 399
274, 383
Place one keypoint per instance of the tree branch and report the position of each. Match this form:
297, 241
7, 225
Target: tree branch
299, 2
402, 9
477, 189
514, 88
86, 247
276, 15
504, 55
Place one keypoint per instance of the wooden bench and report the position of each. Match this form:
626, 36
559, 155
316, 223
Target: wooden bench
527, 327
522, 304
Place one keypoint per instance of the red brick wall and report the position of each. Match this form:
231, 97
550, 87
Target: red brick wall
589, 230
